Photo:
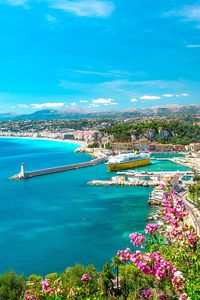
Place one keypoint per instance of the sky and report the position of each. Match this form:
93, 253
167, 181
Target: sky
98, 55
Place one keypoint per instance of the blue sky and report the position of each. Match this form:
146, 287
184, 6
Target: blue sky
98, 55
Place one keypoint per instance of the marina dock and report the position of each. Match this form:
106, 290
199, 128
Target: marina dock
155, 173
29, 174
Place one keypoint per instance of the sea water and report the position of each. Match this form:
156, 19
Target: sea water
51, 222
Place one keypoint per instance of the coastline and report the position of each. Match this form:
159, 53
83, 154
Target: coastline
78, 143
94, 152
81, 145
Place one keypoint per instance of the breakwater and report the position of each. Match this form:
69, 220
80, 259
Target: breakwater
29, 174
144, 183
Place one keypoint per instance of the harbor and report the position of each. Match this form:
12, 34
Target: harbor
146, 179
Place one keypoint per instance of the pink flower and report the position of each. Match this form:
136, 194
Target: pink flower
192, 238
162, 185
86, 278
137, 238
124, 255
45, 286
147, 294
151, 228
26, 295
184, 297
178, 281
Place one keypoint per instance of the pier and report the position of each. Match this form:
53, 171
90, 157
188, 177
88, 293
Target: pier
155, 173
29, 174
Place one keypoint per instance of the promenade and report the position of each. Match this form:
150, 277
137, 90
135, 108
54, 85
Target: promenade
194, 213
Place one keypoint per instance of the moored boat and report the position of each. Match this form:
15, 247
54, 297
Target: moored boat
128, 161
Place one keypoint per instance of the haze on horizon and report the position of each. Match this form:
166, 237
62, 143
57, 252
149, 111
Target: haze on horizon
98, 55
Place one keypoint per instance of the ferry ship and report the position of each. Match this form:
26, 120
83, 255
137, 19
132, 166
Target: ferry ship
128, 161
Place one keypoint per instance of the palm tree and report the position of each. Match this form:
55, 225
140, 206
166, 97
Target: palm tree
116, 263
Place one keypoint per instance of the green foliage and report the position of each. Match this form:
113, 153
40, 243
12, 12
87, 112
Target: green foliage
107, 146
162, 131
194, 193
71, 278
107, 279
196, 178
12, 286
35, 278
94, 145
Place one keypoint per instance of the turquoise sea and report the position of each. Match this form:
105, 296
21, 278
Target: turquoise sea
50, 222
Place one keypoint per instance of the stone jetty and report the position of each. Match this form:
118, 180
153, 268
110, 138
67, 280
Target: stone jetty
29, 174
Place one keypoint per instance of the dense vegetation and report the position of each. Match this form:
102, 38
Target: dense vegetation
166, 269
194, 191
60, 125
160, 131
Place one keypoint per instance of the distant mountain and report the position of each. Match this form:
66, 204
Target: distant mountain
8, 116
76, 113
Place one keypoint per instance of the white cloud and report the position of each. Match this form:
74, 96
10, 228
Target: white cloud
189, 13
177, 96
22, 105
83, 101
15, 2
134, 100
85, 8
193, 46
111, 103
48, 105
185, 94
148, 97
168, 95
103, 101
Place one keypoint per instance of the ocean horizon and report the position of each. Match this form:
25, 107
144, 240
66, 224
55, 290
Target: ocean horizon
54, 221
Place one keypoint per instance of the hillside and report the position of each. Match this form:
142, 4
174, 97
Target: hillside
49, 114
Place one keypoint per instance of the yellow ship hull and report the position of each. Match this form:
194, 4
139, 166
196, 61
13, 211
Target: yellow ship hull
128, 165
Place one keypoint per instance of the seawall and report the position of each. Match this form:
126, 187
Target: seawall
30, 174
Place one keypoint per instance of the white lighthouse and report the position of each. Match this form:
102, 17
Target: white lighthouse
22, 173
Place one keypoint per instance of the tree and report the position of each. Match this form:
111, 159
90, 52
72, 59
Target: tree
116, 263
12, 286
107, 279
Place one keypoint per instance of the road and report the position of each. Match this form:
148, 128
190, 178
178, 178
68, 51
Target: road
193, 211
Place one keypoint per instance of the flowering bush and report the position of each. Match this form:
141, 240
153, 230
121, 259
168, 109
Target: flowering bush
172, 254
86, 278
49, 288
137, 238
151, 228
147, 294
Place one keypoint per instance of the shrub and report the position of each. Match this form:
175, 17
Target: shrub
12, 286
